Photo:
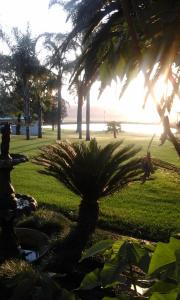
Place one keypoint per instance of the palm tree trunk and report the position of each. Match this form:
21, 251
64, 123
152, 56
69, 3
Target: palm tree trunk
88, 116
27, 112
59, 115
18, 125
39, 120
71, 249
79, 116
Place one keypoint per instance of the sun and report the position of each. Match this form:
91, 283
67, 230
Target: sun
130, 108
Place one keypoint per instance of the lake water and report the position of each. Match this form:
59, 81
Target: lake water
130, 128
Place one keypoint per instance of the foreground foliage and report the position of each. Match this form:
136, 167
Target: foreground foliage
128, 271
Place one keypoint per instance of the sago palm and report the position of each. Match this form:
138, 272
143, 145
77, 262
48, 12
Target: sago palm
92, 172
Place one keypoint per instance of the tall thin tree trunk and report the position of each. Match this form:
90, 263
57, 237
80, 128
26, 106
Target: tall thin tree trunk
53, 118
39, 120
59, 115
88, 116
115, 133
18, 125
27, 111
79, 116
165, 122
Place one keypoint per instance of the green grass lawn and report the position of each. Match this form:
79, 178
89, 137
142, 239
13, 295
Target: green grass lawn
149, 210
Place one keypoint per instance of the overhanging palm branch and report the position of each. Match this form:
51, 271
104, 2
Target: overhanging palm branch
122, 38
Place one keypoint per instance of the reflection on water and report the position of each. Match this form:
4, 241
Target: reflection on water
131, 128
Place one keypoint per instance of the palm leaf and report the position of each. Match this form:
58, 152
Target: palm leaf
90, 170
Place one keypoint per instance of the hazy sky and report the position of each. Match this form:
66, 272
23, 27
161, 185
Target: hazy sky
20, 12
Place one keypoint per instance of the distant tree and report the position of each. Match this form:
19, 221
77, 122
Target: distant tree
114, 127
42, 90
51, 114
20, 70
56, 61
26, 66
76, 37
9, 103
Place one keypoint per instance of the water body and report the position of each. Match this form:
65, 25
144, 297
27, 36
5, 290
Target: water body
147, 129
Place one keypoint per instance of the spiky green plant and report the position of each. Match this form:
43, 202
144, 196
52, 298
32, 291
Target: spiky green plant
92, 172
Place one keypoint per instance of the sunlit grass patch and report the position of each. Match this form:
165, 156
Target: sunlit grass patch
149, 210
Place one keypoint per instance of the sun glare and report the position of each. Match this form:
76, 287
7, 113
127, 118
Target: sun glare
129, 109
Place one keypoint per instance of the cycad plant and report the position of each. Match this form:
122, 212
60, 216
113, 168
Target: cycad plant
92, 172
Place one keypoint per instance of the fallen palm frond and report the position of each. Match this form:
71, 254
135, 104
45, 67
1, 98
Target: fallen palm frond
165, 165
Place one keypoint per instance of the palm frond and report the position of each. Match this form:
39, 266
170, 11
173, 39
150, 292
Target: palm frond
90, 170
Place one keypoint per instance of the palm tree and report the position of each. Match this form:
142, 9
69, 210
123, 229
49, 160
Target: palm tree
42, 94
25, 65
59, 64
114, 127
92, 172
122, 38
23, 76
55, 60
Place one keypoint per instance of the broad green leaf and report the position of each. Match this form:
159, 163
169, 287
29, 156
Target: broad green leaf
91, 280
161, 287
133, 253
142, 258
144, 262
125, 256
164, 255
117, 245
97, 248
129, 254
111, 271
170, 296
150, 247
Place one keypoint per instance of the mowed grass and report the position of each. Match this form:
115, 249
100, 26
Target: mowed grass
149, 211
